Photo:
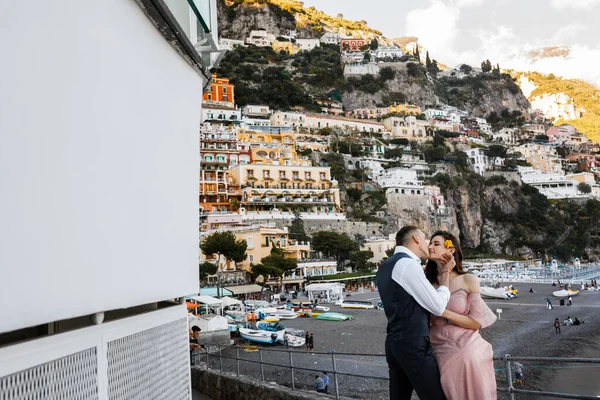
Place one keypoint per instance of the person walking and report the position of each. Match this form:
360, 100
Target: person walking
311, 342
556, 326
408, 300
548, 303
306, 340
570, 300
319, 384
518, 367
326, 381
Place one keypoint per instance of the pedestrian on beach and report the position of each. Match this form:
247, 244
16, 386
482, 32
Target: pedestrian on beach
319, 384
306, 342
286, 343
556, 326
408, 300
518, 367
326, 381
548, 303
570, 300
311, 342
465, 359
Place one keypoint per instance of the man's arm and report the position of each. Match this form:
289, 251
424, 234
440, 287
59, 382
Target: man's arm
409, 274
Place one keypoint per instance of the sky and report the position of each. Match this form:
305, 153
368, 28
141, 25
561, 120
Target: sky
504, 31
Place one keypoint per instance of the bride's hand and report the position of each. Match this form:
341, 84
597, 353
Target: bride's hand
448, 262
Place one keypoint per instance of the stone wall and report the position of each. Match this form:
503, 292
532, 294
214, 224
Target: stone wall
225, 386
366, 229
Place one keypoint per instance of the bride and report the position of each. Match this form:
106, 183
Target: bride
464, 358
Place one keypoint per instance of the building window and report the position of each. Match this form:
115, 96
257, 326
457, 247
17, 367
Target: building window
250, 242
251, 258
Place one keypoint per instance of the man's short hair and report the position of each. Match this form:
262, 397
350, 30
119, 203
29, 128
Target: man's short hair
196, 329
405, 234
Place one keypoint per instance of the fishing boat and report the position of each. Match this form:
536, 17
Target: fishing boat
565, 293
355, 304
496, 293
258, 336
271, 312
278, 327
292, 341
333, 316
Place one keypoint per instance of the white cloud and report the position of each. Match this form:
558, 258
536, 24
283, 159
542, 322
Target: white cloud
575, 4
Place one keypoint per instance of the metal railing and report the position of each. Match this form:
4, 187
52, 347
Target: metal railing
512, 390
215, 355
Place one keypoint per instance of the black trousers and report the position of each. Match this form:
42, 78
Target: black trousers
413, 367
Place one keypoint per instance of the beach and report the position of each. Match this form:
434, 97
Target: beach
524, 329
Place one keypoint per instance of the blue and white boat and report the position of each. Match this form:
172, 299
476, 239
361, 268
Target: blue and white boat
258, 336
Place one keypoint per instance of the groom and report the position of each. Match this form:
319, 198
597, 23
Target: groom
408, 298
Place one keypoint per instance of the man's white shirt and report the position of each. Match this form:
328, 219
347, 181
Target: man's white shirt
409, 274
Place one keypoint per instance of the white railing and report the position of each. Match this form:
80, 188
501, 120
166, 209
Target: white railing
143, 356
316, 215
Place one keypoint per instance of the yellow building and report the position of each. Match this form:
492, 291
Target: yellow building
409, 109
260, 240
288, 47
541, 157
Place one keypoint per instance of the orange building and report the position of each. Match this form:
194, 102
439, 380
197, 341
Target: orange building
221, 91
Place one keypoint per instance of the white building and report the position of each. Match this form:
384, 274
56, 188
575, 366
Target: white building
260, 38
388, 52
506, 135
331, 38
399, 177
230, 44
432, 113
551, 185
361, 69
307, 44
256, 111
220, 114
352, 57
478, 161
104, 181
288, 118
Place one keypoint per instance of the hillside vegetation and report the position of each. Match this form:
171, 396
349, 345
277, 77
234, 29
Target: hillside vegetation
584, 95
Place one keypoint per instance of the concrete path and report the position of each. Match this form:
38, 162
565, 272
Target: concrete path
196, 395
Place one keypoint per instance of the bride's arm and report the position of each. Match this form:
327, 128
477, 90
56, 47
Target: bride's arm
461, 320
464, 321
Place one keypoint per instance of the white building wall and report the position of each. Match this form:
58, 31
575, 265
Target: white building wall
98, 164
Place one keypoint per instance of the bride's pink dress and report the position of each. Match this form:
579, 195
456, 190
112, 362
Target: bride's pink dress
464, 358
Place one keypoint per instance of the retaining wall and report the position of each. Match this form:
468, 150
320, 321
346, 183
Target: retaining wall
225, 386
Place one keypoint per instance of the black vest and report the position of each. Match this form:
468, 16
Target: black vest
406, 318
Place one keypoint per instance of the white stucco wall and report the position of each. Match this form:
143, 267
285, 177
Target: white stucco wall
99, 162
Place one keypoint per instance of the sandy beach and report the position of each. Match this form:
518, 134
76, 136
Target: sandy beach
524, 329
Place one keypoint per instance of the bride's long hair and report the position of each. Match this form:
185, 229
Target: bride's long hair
431, 271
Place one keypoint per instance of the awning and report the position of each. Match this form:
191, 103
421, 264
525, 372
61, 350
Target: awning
244, 289
206, 300
228, 301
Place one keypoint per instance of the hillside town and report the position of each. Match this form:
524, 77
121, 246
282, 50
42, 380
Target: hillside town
265, 170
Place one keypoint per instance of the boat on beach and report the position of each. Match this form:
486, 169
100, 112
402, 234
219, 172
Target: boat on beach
497, 293
278, 327
333, 316
258, 336
565, 293
355, 304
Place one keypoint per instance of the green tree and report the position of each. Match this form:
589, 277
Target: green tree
374, 44
433, 154
359, 259
466, 68
462, 159
224, 244
297, 230
417, 54
387, 73
394, 154
584, 188
496, 150
206, 269
275, 264
333, 244
486, 66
